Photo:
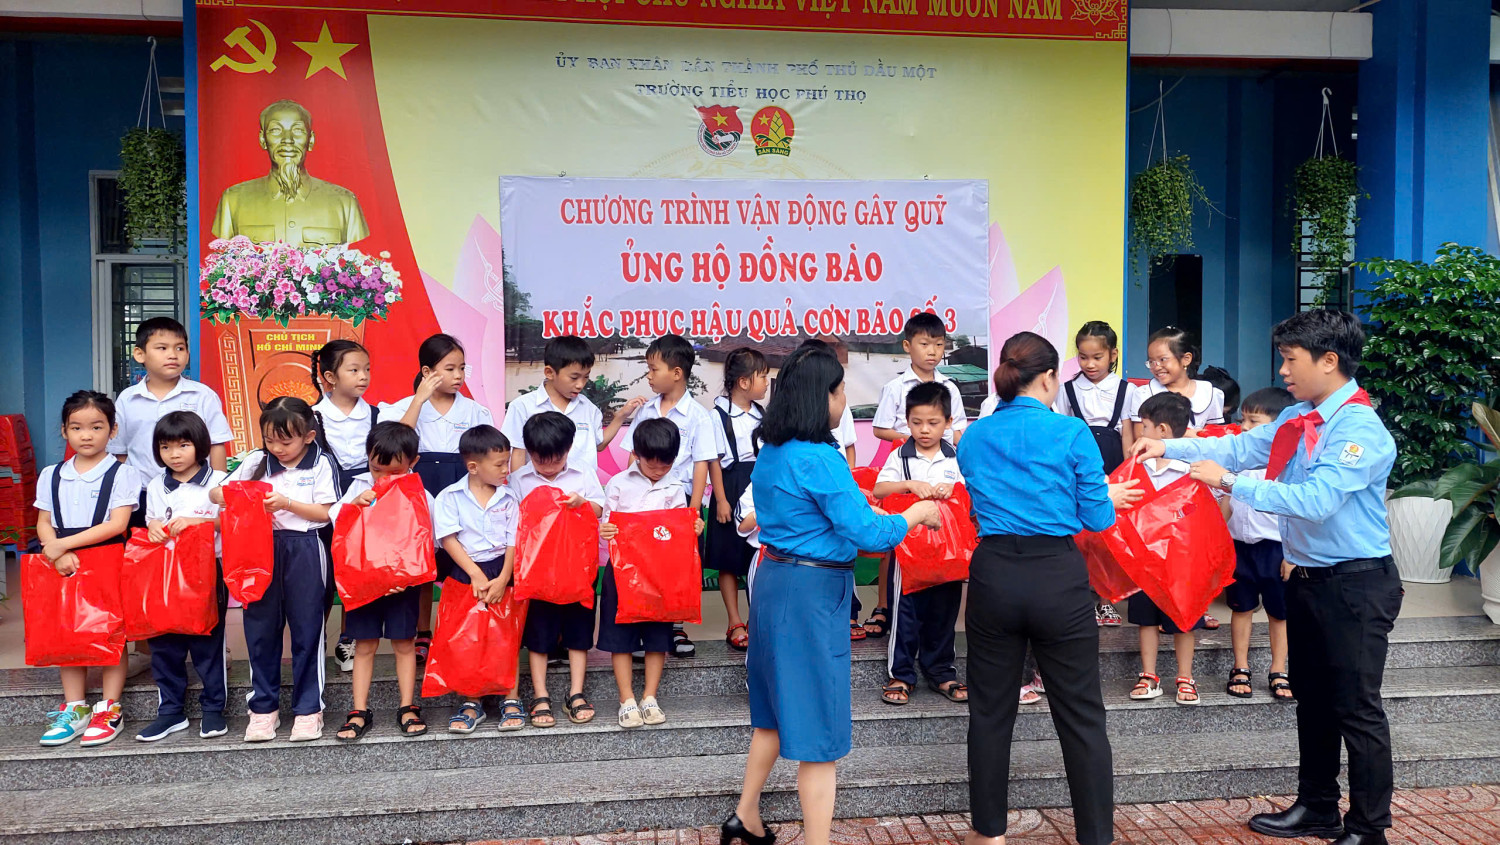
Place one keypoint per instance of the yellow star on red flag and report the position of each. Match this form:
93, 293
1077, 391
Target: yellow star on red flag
325, 53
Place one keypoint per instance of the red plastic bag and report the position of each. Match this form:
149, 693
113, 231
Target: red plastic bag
171, 587
476, 647
1105, 574
248, 548
1217, 430
1174, 544
557, 548
385, 546
865, 477
928, 558
658, 575
78, 620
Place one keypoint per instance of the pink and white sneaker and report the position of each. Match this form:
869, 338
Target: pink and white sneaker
307, 728
105, 724
262, 727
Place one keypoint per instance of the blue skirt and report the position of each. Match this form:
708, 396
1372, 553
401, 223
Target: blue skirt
798, 665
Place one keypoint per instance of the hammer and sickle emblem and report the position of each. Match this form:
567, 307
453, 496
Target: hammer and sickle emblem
259, 59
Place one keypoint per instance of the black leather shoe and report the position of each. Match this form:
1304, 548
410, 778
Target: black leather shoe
1361, 839
1297, 821
733, 829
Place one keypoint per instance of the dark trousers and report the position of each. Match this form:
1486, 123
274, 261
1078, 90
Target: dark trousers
1036, 590
923, 633
1337, 632
169, 656
293, 600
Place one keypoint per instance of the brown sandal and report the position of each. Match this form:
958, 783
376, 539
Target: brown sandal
895, 692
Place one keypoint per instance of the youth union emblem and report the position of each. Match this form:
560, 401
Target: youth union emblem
719, 133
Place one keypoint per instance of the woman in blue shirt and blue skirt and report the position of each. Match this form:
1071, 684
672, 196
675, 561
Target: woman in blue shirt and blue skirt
813, 519
1036, 479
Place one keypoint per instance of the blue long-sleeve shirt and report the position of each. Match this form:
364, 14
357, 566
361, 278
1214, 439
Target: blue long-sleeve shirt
807, 505
1331, 507
1034, 472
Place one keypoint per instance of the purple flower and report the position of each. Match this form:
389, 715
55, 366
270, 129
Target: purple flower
327, 273
357, 302
379, 299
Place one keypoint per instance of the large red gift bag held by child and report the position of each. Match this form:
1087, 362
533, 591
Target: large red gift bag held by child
385, 546
476, 647
1174, 544
171, 587
1219, 430
1105, 574
78, 620
928, 558
658, 576
557, 549
248, 548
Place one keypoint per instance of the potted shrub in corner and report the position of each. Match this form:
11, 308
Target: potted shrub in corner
1432, 352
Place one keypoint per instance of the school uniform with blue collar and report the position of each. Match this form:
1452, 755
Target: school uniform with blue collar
76, 502
724, 548
344, 436
550, 626
390, 617
295, 598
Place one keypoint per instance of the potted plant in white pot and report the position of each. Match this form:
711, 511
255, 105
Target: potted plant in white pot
1431, 353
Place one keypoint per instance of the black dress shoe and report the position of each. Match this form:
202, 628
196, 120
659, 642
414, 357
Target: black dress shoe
1298, 821
733, 829
1361, 839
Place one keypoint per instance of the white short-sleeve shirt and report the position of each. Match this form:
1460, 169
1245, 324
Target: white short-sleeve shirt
846, 435
78, 493
440, 432
586, 417
137, 410
571, 480
940, 468
485, 530
632, 492
312, 480
696, 425
743, 423
1249, 525
348, 433
1096, 400
365, 481
1207, 402
168, 499
891, 412
988, 406
744, 508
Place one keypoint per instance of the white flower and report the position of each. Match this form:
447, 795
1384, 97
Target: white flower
314, 298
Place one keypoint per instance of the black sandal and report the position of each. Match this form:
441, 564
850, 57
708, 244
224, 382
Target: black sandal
575, 709
882, 625
895, 692
359, 729
542, 707
1279, 682
951, 691
406, 725
1235, 676
510, 710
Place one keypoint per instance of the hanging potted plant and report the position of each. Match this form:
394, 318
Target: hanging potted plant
153, 174
1324, 196
1162, 202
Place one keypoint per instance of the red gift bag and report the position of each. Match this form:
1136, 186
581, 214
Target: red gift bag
248, 549
476, 647
865, 477
385, 546
78, 620
171, 587
1217, 430
1105, 574
658, 576
1174, 544
557, 549
928, 558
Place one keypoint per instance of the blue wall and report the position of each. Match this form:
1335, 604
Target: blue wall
69, 100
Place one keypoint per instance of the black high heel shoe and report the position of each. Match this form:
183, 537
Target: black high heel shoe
733, 829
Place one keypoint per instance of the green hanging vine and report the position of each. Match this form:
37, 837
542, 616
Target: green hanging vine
1162, 200
1324, 197
153, 179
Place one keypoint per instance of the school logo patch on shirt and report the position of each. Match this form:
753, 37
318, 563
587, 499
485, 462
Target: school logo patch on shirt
1351, 454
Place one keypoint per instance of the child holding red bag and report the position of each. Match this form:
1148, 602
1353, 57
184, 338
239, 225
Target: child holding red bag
84, 502
176, 499
548, 437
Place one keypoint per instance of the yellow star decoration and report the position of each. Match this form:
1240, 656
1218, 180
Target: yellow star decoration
720, 119
325, 53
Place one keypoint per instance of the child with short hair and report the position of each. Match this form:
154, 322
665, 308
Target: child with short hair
81, 503
746, 380
1260, 569
927, 467
567, 363
161, 346
391, 449
476, 520
177, 498
548, 437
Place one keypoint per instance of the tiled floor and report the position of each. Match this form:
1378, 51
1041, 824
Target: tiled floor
1454, 816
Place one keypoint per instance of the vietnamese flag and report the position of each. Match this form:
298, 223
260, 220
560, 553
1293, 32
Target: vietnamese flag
722, 119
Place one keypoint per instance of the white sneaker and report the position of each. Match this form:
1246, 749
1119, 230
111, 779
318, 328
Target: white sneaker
630, 715
262, 727
344, 654
307, 728
136, 663
651, 711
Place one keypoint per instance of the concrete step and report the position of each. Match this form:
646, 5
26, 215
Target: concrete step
543, 799
698, 725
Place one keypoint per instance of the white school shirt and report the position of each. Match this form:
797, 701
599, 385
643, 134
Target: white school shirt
485, 530
745, 507
366, 481
1096, 401
845, 435
1170, 471
440, 432
137, 411
312, 480
587, 420
696, 425
632, 492
941, 468
348, 433
571, 480
991, 402
78, 494
743, 423
1249, 525
1207, 402
168, 499
891, 412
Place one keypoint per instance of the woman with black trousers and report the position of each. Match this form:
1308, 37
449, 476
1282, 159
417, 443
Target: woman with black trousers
1036, 479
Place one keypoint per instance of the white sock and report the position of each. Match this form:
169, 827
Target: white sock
71, 704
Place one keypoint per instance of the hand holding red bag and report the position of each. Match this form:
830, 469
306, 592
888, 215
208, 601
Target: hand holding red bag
78, 620
476, 647
928, 558
557, 549
386, 546
171, 587
248, 545
658, 575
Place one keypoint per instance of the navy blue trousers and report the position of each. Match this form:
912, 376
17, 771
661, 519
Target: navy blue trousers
169, 656
294, 600
924, 632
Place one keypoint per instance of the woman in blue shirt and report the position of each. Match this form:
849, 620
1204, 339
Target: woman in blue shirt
1036, 479
813, 519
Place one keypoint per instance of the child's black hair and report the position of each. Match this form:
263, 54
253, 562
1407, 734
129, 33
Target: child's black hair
481, 440
176, 427
1102, 332
548, 435
1270, 401
930, 394
391, 441
155, 326
799, 408
284, 416
432, 351
1182, 344
924, 323
1170, 409
88, 399
744, 362
674, 351
566, 350
329, 357
656, 440
1321, 331
1220, 378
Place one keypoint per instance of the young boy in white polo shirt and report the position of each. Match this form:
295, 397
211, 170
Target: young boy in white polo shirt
567, 363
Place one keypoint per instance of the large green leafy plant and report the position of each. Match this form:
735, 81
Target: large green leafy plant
1325, 192
1474, 490
1163, 199
153, 180
1433, 351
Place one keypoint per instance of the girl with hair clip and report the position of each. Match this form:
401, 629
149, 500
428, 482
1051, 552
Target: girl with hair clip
739, 413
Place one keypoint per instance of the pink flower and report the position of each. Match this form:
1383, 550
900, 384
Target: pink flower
357, 302
379, 299
240, 241
218, 245
295, 298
